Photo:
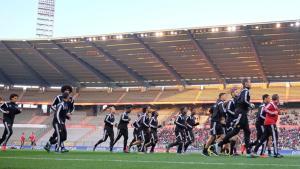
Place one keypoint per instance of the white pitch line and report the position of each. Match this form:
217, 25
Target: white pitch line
147, 161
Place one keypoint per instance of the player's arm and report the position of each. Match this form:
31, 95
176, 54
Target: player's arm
178, 123
18, 111
260, 111
195, 123
152, 123
124, 117
144, 121
222, 108
68, 116
188, 122
58, 111
137, 123
72, 106
271, 110
4, 108
228, 108
245, 97
56, 101
108, 120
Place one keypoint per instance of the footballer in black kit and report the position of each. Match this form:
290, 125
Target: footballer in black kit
57, 100
136, 133
123, 128
153, 131
259, 124
59, 119
108, 130
190, 124
243, 105
217, 130
180, 133
230, 117
144, 121
9, 110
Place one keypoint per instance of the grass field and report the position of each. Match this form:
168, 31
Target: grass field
25, 159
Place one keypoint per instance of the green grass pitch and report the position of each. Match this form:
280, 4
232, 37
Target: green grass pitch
26, 159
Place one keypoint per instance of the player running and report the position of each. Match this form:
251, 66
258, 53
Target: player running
123, 128
272, 112
216, 126
108, 129
32, 139
136, 134
9, 110
62, 113
243, 105
153, 131
259, 124
22, 140
190, 124
180, 128
230, 117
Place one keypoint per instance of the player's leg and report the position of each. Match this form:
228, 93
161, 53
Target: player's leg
138, 140
147, 140
143, 135
269, 145
52, 139
111, 137
59, 137
264, 138
22, 144
233, 145
236, 129
247, 134
151, 140
4, 135
275, 141
8, 126
176, 143
135, 135
180, 142
119, 135
63, 138
125, 136
104, 138
211, 139
180, 148
155, 139
189, 138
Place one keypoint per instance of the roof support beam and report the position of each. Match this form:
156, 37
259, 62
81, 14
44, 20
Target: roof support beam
101, 76
6, 78
132, 73
201, 51
170, 69
42, 81
256, 54
69, 77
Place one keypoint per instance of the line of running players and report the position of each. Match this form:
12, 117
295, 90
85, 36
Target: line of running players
145, 129
228, 118
225, 124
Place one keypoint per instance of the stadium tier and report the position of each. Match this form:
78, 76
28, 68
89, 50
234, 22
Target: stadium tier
182, 57
166, 69
152, 96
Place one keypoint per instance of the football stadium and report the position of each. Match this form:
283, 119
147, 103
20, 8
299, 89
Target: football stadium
218, 96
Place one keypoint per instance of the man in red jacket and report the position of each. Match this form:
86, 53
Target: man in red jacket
272, 112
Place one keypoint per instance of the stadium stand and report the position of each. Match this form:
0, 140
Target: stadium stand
180, 67
152, 95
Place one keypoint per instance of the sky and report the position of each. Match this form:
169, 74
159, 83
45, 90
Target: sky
96, 17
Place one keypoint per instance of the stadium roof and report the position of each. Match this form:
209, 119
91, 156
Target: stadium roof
265, 52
